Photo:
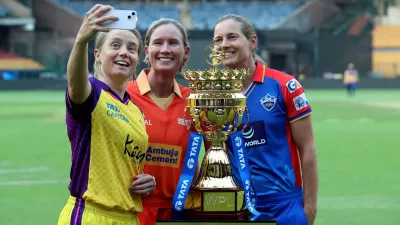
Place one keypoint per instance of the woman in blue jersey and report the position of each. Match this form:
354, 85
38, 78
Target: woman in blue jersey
279, 136
106, 130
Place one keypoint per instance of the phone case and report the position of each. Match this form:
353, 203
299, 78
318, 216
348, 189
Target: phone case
127, 19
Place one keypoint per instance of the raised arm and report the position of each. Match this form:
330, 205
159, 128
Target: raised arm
79, 86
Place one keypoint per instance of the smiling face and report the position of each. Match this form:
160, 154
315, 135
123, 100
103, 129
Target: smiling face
166, 49
237, 47
117, 55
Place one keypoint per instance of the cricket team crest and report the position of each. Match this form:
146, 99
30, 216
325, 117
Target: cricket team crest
268, 102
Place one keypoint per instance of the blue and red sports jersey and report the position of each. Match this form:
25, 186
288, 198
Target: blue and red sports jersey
274, 100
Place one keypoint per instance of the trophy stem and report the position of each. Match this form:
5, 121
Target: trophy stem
215, 170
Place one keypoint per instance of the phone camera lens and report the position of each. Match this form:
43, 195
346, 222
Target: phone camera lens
129, 17
133, 13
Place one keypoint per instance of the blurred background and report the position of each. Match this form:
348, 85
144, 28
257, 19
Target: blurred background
357, 136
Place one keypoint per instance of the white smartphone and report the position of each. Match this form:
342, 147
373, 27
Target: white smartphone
127, 19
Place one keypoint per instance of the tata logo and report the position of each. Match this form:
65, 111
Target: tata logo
247, 185
238, 142
293, 85
181, 195
255, 135
190, 163
178, 205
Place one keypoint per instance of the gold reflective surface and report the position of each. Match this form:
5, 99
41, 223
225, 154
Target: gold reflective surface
215, 107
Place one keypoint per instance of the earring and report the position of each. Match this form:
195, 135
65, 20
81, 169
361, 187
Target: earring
183, 66
146, 60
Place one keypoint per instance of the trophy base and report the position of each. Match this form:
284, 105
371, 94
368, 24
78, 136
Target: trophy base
216, 204
234, 216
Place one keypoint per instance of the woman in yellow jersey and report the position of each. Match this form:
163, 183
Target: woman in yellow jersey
106, 130
163, 101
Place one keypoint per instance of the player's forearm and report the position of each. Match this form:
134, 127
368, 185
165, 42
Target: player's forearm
310, 178
77, 73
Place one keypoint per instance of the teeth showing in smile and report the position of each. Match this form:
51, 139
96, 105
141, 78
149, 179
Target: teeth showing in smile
165, 59
122, 63
227, 54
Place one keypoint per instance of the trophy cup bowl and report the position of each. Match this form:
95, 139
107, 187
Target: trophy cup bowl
215, 108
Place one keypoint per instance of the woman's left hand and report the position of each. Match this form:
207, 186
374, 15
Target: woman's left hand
143, 184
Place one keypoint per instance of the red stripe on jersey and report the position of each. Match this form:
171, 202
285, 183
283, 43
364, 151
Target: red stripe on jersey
294, 153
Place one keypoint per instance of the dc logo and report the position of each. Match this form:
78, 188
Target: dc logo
247, 185
178, 205
238, 141
190, 163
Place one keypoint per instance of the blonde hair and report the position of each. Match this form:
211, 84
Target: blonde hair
247, 29
165, 21
98, 44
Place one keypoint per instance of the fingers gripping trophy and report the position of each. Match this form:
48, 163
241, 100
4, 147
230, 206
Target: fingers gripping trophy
216, 107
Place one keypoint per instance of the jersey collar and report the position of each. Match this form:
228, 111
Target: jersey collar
260, 73
144, 86
107, 88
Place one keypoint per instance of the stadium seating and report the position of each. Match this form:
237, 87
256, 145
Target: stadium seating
3, 11
204, 16
152, 12
262, 15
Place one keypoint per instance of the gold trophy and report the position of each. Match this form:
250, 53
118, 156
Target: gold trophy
216, 107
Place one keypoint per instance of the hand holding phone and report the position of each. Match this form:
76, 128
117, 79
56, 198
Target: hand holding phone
127, 19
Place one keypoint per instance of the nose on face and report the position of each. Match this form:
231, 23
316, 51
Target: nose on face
123, 53
165, 48
222, 46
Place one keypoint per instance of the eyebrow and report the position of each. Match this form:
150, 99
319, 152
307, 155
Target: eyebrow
119, 39
226, 35
174, 39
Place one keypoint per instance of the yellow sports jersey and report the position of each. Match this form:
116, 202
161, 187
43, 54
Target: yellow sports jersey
350, 76
109, 142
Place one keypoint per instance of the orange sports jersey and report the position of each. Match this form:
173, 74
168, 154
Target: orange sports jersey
168, 139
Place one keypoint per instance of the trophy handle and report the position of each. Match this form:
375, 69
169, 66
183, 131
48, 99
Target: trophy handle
247, 119
188, 119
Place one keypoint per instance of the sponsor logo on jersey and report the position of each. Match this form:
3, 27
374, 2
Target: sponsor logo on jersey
293, 85
147, 122
300, 102
268, 102
114, 111
163, 155
255, 135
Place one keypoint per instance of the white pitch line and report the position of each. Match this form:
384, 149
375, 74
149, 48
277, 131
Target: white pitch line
32, 182
24, 170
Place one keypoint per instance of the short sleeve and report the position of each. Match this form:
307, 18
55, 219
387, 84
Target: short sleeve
296, 101
83, 110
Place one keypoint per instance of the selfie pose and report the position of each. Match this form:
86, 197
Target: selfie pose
279, 135
106, 130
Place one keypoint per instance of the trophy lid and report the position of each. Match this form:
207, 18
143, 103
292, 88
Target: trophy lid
214, 58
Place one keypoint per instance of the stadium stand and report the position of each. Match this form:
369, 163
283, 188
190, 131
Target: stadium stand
3, 11
263, 15
204, 15
152, 12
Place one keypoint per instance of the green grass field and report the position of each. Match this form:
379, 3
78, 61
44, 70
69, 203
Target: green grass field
357, 142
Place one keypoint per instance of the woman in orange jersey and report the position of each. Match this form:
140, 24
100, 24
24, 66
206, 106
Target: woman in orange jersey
162, 100
106, 130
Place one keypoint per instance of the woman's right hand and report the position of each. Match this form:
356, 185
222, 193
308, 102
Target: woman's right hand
92, 23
